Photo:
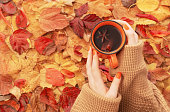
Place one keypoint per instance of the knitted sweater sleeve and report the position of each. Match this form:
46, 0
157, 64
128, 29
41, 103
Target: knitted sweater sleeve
137, 94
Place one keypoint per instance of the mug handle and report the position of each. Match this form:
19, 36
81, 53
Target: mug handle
113, 61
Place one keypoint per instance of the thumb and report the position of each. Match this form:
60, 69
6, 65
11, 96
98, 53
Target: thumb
112, 92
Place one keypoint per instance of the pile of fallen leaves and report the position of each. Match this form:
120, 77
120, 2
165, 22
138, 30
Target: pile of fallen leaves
44, 45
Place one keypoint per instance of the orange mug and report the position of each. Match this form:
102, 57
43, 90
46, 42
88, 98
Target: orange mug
111, 55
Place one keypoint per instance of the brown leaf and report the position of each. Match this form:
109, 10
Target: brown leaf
128, 3
82, 10
154, 59
5, 84
147, 48
51, 19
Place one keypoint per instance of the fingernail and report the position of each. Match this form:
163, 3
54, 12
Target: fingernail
126, 27
94, 52
118, 75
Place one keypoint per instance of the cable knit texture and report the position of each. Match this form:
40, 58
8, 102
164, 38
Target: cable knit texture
137, 93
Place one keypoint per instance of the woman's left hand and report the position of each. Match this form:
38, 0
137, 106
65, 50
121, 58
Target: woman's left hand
95, 79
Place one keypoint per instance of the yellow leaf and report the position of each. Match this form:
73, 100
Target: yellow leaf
70, 65
147, 5
107, 63
165, 2
43, 82
161, 13
154, 48
71, 81
152, 66
2, 26
16, 92
144, 21
98, 8
80, 79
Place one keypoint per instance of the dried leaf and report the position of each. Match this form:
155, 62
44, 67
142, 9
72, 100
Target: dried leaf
47, 97
168, 27
54, 77
69, 95
81, 10
9, 7
24, 100
7, 108
67, 73
91, 20
77, 51
77, 26
128, 3
21, 20
5, 84
148, 16
45, 46
147, 48
19, 40
19, 83
16, 92
5, 20
165, 2
140, 29
164, 52
131, 22
144, 21
4, 1
147, 5
159, 33
51, 19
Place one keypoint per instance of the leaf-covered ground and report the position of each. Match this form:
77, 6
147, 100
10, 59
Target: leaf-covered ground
44, 45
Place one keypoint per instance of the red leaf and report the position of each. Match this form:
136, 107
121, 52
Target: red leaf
7, 108
5, 20
147, 48
104, 68
45, 46
82, 10
159, 33
131, 22
140, 29
11, 104
67, 73
47, 97
54, 77
77, 26
91, 20
5, 84
68, 98
21, 20
24, 100
168, 27
9, 7
19, 83
148, 16
77, 50
4, 1
163, 52
19, 41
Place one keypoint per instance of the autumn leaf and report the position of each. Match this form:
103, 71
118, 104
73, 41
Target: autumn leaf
54, 77
24, 100
128, 3
60, 39
68, 97
81, 10
19, 83
67, 73
164, 52
140, 29
9, 7
148, 16
168, 27
91, 20
5, 84
77, 50
7, 108
5, 20
51, 19
147, 48
21, 20
47, 97
4, 1
159, 33
131, 22
105, 70
45, 46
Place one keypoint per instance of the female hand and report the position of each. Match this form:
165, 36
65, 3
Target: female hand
95, 79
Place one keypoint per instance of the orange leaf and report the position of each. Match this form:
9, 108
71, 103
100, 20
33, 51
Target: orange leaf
51, 19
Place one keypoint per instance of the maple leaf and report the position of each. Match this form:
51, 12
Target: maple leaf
21, 20
81, 10
140, 29
47, 97
10, 105
148, 16
77, 26
60, 40
147, 48
18, 40
91, 20
163, 52
5, 84
128, 3
19, 83
51, 19
131, 22
45, 46
67, 73
68, 97
54, 77
9, 8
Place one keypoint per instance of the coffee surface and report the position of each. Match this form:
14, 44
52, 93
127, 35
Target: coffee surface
107, 38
